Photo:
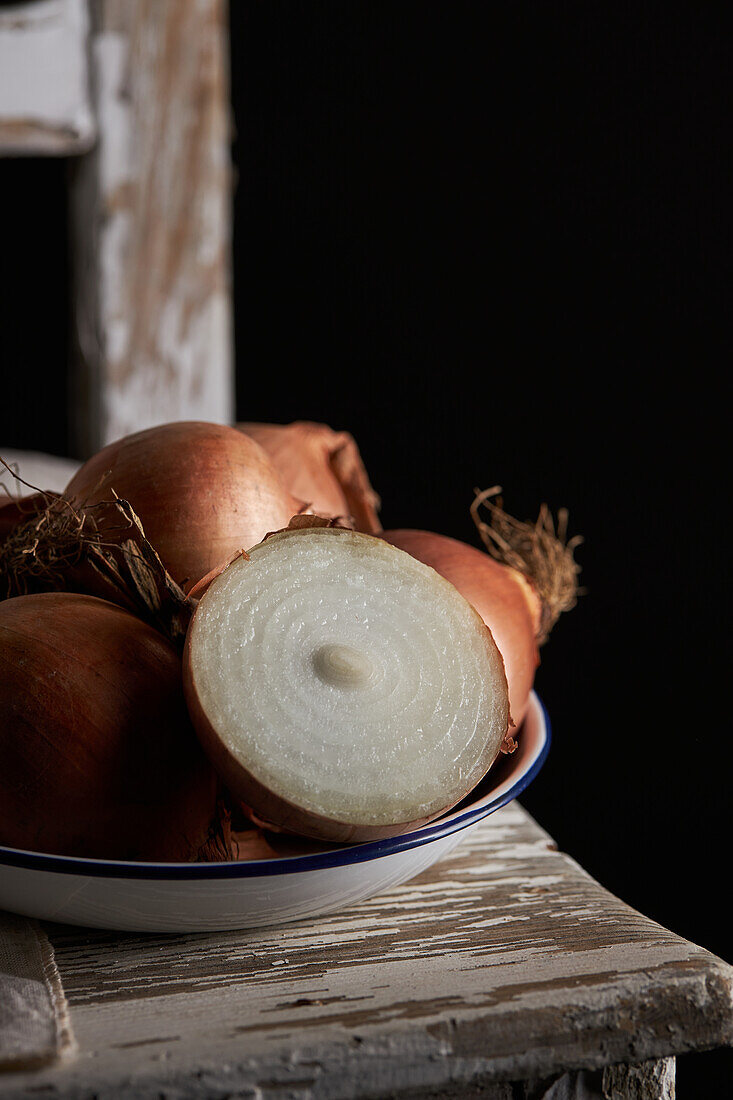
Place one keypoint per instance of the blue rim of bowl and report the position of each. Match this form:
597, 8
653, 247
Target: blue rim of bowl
337, 857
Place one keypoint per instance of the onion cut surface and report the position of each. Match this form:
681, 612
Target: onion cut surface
503, 597
343, 689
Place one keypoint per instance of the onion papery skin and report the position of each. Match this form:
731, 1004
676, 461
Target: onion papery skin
504, 599
201, 492
99, 758
322, 467
333, 736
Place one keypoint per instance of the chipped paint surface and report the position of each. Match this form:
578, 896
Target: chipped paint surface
44, 80
503, 961
152, 212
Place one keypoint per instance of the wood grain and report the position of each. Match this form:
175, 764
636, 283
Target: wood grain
151, 222
503, 962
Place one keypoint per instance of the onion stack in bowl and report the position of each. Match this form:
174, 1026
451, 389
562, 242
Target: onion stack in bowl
344, 683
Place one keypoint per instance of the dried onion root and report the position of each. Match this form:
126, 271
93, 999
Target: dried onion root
14, 512
541, 552
201, 492
52, 545
342, 689
520, 588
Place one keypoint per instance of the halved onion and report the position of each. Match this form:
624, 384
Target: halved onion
520, 588
341, 688
503, 597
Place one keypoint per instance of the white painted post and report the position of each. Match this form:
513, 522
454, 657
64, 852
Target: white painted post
151, 222
45, 107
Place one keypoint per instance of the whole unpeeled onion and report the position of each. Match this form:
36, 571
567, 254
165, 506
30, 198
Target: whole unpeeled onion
99, 758
503, 598
520, 587
200, 490
323, 468
341, 688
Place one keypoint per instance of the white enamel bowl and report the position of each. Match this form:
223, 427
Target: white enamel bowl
199, 897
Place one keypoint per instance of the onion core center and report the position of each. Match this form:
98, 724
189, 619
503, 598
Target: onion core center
343, 666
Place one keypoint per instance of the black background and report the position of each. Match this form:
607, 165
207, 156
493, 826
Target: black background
493, 241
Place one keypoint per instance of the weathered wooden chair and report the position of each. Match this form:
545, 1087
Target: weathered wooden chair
504, 970
137, 94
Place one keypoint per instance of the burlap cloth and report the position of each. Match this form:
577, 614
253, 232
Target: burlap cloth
34, 1019
35, 1029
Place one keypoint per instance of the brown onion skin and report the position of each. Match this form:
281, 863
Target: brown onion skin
322, 467
99, 758
201, 491
502, 596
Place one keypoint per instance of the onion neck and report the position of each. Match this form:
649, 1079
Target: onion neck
540, 552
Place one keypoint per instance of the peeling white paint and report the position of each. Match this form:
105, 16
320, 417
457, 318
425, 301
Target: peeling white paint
512, 978
44, 81
157, 226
